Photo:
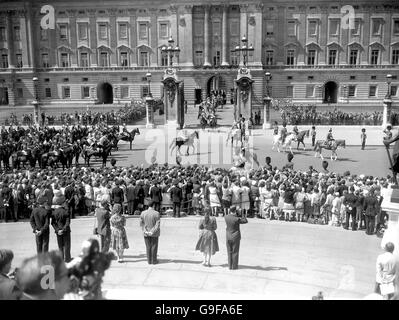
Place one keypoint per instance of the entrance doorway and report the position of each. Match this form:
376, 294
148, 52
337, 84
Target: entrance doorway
3, 96
198, 96
104, 93
215, 83
330, 92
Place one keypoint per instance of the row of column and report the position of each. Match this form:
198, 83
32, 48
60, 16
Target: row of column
207, 58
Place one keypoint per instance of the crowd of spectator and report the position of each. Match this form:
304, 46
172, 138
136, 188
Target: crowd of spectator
128, 114
309, 115
270, 193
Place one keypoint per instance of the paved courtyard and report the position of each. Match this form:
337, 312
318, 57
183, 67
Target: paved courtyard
211, 150
278, 260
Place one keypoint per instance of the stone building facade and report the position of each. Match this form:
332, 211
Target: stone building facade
317, 51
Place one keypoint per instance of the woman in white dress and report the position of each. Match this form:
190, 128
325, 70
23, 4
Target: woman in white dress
245, 204
236, 195
266, 194
214, 198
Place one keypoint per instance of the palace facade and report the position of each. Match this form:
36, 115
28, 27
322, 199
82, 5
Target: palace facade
317, 51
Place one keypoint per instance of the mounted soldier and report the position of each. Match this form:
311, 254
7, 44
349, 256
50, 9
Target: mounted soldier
329, 138
275, 128
283, 133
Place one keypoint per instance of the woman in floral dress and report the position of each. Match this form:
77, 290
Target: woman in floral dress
118, 233
214, 198
208, 241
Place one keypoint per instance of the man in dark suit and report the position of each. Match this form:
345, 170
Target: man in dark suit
233, 236
70, 198
130, 197
138, 196
39, 220
103, 226
156, 195
176, 196
117, 195
150, 222
371, 207
350, 202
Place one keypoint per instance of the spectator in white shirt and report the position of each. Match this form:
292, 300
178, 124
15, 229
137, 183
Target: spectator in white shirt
386, 272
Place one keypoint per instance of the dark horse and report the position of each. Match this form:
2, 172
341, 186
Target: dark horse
52, 158
300, 137
102, 152
128, 137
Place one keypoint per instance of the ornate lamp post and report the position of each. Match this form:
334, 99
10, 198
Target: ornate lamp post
387, 103
267, 99
171, 51
149, 103
244, 50
35, 102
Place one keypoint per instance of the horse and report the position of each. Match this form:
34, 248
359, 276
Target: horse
333, 146
52, 158
287, 142
301, 137
129, 137
179, 142
21, 156
101, 152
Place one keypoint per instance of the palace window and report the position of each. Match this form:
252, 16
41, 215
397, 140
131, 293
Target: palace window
353, 55
45, 60
394, 90
103, 31
372, 91
47, 92
311, 57
123, 31
290, 57
269, 57
269, 29
84, 59
104, 59
198, 28
377, 27
124, 92
395, 56
396, 27
63, 31
64, 60
351, 91
309, 90
332, 57
216, 59
291, 28
66, 92
143, 31
312, 28
82, 31
374, 56
234, 28
144, 91
4, 61
144, 59
85, 92
124, 59
290, 91
356, 30
164, 59
3, 34
163, 30
20, 92
199, 58
19, 60
334, 27
17, 33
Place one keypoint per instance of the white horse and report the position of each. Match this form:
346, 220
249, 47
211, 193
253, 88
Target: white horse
234, 135
277, 141
181, 141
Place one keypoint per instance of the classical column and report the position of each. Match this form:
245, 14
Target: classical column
133, 36
207, 62
73, 37
30, 37
93, 37
10, 41
186, 36
113, 41
224, 36
154, 38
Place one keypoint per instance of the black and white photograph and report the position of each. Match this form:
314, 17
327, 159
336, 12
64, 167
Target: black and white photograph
199, 151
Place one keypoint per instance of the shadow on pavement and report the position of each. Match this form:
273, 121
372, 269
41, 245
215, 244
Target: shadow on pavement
258, 268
